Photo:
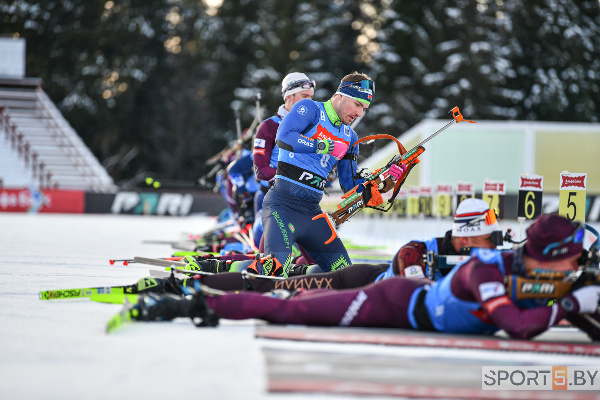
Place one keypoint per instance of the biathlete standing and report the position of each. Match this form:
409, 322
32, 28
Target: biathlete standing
312, 139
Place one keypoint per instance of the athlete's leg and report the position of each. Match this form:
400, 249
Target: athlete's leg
278, 229
329, 257
259, 196
383, 304
315, 235
233, 281
357, 275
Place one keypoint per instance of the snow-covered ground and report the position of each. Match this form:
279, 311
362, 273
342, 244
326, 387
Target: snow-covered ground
59, 349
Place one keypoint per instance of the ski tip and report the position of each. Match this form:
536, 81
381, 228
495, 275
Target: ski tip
125, 262
126, 315
112, 262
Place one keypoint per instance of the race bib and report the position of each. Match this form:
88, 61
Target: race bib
490, 290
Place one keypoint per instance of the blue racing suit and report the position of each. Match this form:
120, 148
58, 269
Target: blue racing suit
448, 313
291, 204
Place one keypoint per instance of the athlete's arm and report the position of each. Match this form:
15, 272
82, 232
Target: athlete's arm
238, 168
408, 255
303, 115
486, 283
347, 167
263, 148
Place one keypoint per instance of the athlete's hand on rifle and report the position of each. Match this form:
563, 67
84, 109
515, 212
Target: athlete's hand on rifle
585, 293
583, 300
396, 171
336, 149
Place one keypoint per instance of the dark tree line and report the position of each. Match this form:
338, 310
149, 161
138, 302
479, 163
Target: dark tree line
150, 84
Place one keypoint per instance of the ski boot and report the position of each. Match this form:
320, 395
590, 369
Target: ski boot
155, 307
199, 312
255, 268
211, 265
273, 267
155, 285
297, 270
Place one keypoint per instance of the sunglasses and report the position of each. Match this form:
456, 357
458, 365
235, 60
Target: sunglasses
364, 85
303, 84
575, 237
490, 218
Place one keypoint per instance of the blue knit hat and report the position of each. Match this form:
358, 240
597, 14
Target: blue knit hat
362, 91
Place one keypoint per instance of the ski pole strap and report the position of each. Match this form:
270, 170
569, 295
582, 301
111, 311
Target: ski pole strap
401, 148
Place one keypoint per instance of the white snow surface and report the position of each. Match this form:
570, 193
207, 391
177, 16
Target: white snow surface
59, 349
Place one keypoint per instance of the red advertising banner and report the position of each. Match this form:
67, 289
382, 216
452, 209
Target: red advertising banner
495, 187
533, 182
573, 181
465, 188
47, 201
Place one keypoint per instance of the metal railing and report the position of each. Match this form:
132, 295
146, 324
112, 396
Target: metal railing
49, 147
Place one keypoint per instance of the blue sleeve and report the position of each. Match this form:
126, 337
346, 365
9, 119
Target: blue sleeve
347, 169
304, 114
240, 169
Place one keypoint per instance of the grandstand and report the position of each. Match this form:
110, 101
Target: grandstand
39, 148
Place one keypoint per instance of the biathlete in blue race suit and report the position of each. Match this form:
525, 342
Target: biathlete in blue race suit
295, 86
312, 139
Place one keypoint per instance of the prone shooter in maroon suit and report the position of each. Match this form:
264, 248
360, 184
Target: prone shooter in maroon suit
489, 292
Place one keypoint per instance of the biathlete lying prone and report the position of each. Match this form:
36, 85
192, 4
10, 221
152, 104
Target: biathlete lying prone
473, 297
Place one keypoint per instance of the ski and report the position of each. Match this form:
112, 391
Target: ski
155, 273
177, 267
209, 232
127, 313
79, 293
244, 273
142, 285
129, 261
159, 262
113, 298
